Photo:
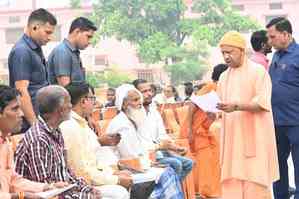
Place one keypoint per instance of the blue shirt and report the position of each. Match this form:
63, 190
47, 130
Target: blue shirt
65, 60
284, 72
26, 61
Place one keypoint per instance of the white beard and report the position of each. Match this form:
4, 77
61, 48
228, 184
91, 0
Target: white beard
138, 115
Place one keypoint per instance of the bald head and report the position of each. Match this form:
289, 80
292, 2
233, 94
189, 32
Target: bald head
50, 98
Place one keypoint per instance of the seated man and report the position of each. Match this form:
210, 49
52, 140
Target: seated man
40, 156
154, 134
127, 123
110, 96
13, 185
83, 148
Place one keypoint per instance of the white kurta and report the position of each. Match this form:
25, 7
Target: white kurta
130, 145
152, 130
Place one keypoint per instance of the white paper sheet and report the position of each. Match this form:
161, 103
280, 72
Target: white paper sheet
153, 174
207, 102
54, 192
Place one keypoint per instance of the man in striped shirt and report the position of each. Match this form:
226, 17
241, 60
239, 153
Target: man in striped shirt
41, 155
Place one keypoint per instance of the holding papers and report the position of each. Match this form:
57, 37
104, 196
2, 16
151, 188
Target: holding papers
152, 174
207, 102
55, 192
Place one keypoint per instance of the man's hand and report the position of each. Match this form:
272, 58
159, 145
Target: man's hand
125, 181
181, 150
110, 140
166, 144
55, 185
227, 107
25, 101
211, 116
170, 145
60, 184
28, 195
96, 194
123, 172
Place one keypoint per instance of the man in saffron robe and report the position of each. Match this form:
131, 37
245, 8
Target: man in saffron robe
248, 154
204, 143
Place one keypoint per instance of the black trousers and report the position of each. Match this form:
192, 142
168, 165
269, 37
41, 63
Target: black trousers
142, 190
287, 140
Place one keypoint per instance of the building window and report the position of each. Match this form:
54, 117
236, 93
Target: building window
239, 7
146, 74
14, 19
275, 6
13, 34
270, 17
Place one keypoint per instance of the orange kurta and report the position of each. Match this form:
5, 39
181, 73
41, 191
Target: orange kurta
239, 189
205, 148
10, 181
248, 150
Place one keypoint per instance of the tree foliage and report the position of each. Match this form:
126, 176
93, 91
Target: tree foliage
75, 4
219, 17
161, 32
113, 78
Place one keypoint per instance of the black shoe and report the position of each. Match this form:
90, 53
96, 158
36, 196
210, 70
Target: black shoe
292, 191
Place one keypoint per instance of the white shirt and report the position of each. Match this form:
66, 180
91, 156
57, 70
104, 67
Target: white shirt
130, 145
153, 130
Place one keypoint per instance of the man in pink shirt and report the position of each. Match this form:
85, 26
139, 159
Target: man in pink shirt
261, 47
12, 185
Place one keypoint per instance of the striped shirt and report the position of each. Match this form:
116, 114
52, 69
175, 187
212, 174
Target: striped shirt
40, 157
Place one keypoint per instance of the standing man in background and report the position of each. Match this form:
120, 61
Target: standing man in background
65, 64
261, 47
284, 72
27, 64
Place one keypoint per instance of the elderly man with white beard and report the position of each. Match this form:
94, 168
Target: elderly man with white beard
126, 123
154, 135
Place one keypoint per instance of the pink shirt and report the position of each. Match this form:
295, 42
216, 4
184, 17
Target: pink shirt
10, 181
260, 58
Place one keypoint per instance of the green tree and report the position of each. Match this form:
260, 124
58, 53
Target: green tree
95, 79
219, 17
160, 31
113, 78
4, 81
75, 4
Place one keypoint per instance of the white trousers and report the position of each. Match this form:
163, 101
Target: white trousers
113, 192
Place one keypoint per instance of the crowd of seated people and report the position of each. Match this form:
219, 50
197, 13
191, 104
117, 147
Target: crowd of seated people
63, 147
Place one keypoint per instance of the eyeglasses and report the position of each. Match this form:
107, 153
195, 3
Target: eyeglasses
92, 98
